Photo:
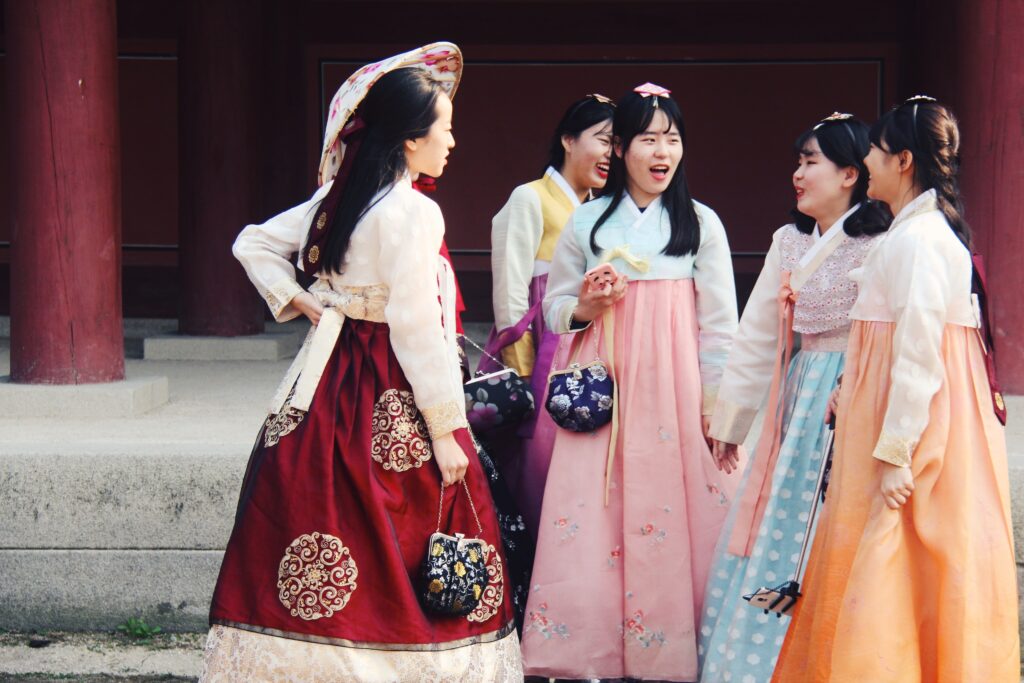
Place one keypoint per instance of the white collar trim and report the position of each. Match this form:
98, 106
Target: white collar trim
563, 185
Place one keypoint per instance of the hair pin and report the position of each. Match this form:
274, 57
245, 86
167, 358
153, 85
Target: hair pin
834, 116
603, 99
919, 99
650, 89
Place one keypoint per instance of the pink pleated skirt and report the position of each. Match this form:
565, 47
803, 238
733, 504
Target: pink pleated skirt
617, 589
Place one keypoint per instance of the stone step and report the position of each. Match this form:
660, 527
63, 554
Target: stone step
88, 539
99, 657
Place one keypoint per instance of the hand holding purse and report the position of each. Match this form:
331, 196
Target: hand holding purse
454, 573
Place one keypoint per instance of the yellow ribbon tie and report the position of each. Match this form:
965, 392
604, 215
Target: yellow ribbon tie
622, 252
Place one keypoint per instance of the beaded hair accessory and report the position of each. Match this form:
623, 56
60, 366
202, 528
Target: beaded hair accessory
916, 100
837, 117
650, 89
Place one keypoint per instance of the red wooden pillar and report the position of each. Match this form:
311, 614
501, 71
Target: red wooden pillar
989, 105
64, 147
219, 67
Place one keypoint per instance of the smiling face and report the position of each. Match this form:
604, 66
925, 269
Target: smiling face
823, 189
652, 159
587, 156
429, 154
889, 176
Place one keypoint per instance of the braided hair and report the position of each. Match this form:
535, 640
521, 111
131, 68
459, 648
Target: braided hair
929, 131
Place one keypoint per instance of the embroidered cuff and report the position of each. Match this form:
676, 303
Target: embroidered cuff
444, 418
895, 450
279, 296
731, 422
710, 395
520, 355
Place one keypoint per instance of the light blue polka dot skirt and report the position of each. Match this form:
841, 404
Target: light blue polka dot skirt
739, 643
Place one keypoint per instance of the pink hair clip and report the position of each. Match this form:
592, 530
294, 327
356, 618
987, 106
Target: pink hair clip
648, 89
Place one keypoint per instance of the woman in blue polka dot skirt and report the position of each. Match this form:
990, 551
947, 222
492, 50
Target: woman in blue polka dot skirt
803, 290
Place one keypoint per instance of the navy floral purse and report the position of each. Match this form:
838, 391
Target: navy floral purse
497, 399
454, 574
581, 398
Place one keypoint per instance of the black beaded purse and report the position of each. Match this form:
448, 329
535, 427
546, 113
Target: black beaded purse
454, 573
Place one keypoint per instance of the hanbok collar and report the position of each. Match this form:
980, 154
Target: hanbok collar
563, 185
834, 233
922, 203
653, 209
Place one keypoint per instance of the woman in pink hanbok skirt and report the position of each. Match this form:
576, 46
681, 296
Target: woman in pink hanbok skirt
628, 529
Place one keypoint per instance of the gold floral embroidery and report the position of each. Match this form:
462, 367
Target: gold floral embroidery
494, 593
316, 577
280, 295
280, 425
321, 220
444, 419
399, 439
314, 253
895, 450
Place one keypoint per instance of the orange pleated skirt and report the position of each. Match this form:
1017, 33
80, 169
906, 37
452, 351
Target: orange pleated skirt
928, 592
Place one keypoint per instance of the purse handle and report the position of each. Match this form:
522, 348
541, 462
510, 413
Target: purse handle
480, 373
607, 322
440, 508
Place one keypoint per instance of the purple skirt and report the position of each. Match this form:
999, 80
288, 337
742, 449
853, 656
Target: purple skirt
524, 460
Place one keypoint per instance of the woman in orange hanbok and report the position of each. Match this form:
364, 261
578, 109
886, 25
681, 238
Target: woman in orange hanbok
912, 575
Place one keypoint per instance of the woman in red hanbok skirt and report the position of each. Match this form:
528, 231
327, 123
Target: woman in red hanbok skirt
321, 580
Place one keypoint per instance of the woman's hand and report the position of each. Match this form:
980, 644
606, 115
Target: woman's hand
726, 455
897, 485
593, 301
308, 306
833, 405
832, 408
450, 458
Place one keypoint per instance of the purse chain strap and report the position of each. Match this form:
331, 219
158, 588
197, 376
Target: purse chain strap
483, 351
440, 508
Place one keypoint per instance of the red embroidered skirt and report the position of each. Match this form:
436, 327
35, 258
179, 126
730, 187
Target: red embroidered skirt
335, 512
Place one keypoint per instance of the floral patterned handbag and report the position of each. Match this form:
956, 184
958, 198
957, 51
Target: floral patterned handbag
581, 397
496, 399
454, 574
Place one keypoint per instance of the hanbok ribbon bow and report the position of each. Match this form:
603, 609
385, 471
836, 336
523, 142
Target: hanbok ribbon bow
650, 89
622, 252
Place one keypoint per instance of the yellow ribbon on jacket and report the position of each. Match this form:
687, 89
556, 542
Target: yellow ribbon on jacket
622, 251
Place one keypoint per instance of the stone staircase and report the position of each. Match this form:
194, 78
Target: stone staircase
102, 519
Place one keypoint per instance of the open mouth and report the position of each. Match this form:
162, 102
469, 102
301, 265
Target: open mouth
799, 193
602, 169
660, 172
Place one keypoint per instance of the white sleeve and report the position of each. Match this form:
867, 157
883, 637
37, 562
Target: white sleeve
921, 279
515, 238
409, 246
748, 372
716, 303
265, 251
568, 265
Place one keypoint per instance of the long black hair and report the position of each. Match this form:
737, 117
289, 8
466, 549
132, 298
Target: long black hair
633, 115
845, 143
581, 115
400, 106
929, 131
